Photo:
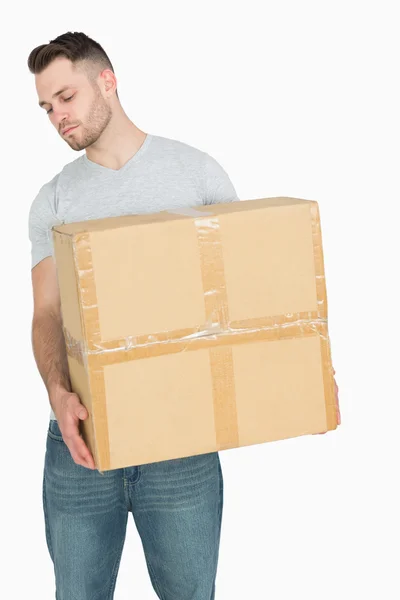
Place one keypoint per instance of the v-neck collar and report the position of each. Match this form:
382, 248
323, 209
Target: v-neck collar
102, 169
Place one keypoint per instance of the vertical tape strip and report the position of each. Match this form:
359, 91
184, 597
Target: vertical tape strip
213, 274
225, 411
217, 319
329, 389
91, 323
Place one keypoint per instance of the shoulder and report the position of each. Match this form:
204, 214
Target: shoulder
46, 198
178, 149
195, 158
210, 177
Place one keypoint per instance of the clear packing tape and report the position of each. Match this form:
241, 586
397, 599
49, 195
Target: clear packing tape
134, 347
217, 334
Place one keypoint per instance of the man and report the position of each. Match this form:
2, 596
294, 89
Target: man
176, 504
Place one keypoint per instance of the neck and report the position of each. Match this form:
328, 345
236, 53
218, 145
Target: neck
118, 143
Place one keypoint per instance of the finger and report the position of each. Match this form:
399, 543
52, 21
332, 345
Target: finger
71, 431
81, 412
71, 428
78, 460
73, 437
82, 451
86, 463
76, 444
87, 459
82, 447
83, 461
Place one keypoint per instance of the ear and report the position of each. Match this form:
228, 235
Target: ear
108, 82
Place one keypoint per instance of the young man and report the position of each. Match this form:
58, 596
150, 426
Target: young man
176, 504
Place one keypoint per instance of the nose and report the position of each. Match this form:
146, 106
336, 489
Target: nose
61, 119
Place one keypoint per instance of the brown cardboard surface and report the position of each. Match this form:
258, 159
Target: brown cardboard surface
161, 293
68, 285
201, 332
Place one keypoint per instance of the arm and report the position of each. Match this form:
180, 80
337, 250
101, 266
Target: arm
47, 336
51, 359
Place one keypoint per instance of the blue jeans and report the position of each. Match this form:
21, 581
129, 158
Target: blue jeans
177, 508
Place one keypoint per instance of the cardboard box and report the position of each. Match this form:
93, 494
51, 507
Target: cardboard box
197, 330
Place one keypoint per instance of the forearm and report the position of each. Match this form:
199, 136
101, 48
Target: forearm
50, 355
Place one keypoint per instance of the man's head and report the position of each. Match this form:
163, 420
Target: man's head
76, 87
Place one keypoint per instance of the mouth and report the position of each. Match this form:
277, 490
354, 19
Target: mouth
66, 131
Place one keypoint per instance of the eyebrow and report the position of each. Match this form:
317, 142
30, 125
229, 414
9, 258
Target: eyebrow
66, 87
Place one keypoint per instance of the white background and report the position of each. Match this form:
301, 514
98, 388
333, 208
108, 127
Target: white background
292, 98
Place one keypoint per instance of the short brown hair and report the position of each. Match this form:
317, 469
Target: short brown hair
76, 46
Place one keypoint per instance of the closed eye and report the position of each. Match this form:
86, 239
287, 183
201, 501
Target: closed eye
65, 100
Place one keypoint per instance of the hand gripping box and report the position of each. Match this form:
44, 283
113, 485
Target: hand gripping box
197, 330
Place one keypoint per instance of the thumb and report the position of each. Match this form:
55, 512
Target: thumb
81, 411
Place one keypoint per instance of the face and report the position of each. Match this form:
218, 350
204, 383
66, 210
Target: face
75, 105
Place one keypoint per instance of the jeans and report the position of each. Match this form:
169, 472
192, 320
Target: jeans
177, 509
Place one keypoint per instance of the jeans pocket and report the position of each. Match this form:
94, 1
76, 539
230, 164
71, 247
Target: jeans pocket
54, 431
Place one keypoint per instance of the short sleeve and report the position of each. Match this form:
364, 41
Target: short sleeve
41, 220
217, 184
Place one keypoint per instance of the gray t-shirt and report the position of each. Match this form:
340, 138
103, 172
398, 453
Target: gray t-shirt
164, 174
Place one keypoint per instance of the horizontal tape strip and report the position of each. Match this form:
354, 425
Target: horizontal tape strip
145, 346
